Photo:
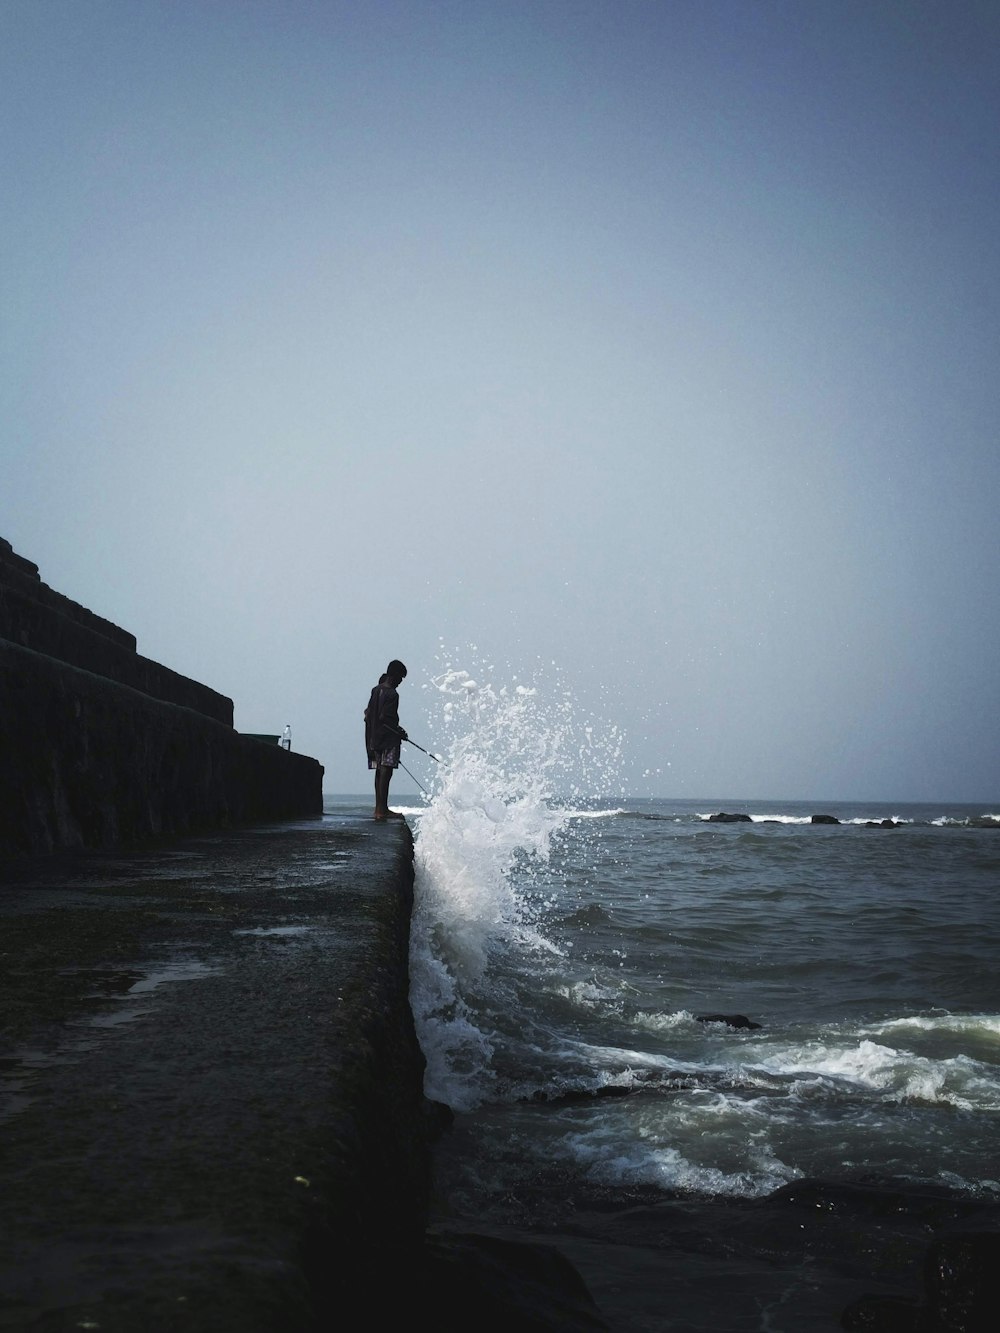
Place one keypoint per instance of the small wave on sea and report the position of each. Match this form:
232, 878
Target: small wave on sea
750, 1172
893, 1074
948, 1060
743, 1113
519, 768
974, 821
871, 817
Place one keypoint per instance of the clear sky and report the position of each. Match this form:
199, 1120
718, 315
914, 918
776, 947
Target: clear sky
656, 340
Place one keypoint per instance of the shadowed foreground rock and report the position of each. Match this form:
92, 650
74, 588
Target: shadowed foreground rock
961, 1292
793, 1261
481, 1281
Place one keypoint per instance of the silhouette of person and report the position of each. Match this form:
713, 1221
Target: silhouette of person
383, 735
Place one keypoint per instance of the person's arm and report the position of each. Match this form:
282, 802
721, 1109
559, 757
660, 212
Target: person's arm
391, 716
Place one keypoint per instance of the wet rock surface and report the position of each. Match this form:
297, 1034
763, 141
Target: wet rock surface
491, 1282
739, 1021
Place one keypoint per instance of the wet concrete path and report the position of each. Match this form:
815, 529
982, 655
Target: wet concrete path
207, 1069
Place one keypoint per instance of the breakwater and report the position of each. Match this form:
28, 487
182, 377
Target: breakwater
100, 746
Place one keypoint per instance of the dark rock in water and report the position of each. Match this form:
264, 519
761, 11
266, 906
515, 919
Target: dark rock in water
501, 1284
883, 1314
579, 1094
723, 818
962, 1282
881, 823
824, 819
731, 1020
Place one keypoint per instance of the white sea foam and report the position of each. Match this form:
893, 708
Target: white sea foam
960, 1024
946, 1060
865, 820
590, 993
610, 1061
512, 751
895, 1075
977, 821
781, 819
681, 1021
751, 1169
708, 817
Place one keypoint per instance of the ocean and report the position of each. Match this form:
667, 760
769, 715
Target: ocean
627, 1002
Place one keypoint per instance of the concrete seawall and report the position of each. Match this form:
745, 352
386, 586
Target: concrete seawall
214, 1114
87, 762
99, 746
34, 616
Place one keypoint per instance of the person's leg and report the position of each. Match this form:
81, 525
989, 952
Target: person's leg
383, 776
382, 780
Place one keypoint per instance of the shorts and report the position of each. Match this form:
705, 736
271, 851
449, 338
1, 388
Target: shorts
384, 758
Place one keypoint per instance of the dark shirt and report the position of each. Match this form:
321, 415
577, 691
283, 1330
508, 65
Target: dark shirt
382, 719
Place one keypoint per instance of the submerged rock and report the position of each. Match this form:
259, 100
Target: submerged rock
730, 1020
723, 818
515, 1285
824, 819
580, 1094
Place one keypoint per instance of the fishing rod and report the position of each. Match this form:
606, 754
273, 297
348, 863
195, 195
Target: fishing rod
416, 746
415, 779
423, 751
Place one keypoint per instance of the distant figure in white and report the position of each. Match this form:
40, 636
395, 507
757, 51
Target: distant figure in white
286, 737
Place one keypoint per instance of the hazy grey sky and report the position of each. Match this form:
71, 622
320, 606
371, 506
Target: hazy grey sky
658, 340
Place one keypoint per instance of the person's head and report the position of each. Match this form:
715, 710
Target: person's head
395, 672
